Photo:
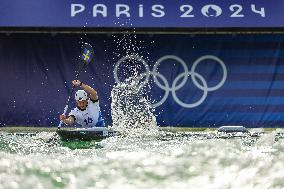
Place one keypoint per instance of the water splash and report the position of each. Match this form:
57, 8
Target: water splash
131, 110
132, 113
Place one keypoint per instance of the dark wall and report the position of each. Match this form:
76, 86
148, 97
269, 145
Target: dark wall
37, 69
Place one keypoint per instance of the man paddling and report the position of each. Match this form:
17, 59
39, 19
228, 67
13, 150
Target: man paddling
87, 113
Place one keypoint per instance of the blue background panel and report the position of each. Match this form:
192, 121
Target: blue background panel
37, 69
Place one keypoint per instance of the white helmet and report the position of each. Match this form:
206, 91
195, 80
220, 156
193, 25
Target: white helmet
81, 95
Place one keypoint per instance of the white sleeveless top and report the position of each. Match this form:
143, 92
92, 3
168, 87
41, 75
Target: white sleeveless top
88, 117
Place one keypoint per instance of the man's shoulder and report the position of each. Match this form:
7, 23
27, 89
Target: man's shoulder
93, 104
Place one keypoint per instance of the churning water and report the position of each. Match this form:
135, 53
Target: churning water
132, 113
142, 157
166, 160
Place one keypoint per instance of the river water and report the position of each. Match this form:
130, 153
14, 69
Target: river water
142, 157
167, 160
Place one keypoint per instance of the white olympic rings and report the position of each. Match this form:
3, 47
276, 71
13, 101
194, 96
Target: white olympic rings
174, 87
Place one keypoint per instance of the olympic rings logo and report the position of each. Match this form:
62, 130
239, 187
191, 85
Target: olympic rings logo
184, 76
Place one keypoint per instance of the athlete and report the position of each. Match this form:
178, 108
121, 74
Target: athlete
87, 113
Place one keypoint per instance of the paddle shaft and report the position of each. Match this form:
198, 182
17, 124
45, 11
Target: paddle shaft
70, 94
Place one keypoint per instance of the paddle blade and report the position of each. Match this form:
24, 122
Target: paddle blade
87, 54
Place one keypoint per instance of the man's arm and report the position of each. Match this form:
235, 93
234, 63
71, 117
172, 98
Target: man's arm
87, 88
67, 120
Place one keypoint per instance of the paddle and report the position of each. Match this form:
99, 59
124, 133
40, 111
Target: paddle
87, 55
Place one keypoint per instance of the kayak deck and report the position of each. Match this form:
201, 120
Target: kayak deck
85, 134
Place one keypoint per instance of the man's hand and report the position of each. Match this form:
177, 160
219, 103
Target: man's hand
67, 120
77, 83
62, 118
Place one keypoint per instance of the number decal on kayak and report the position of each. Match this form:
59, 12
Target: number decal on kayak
105, 133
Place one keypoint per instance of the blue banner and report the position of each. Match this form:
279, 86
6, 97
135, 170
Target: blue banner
203, 80
142, 13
